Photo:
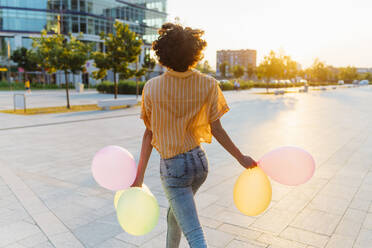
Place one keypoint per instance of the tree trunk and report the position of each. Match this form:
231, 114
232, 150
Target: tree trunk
67, 95
115, 86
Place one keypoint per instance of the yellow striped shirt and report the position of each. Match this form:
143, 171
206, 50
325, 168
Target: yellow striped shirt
178, 108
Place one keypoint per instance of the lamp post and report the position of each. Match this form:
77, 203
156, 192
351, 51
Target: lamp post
8, 74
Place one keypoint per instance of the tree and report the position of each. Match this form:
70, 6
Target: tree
319, 71
204, 67
272, 67
122, 48
78, 56
348, 74
148, 63
290, 68
238, 71
25, 59
223, 68
251, 70
365, 76
60, 53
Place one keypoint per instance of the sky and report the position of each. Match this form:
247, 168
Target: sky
338, 32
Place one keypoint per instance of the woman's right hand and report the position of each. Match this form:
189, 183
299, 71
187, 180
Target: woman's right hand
247, 162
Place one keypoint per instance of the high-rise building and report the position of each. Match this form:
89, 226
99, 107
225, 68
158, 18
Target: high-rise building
22, 19
235, 57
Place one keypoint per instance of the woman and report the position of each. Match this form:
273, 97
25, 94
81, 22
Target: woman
181, 109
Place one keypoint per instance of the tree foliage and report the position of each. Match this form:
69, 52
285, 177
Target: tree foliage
204, 67
319, 71
122, 48
290, 68
149, 64
251, 70
223, 67
271, 67
365, 76
238, 71
24, 58
348, 73
56, 52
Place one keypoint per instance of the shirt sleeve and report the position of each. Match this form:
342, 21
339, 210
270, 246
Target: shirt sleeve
218, 105
146, 108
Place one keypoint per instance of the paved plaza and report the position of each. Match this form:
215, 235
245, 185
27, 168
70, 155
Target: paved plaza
48, 197
53, 98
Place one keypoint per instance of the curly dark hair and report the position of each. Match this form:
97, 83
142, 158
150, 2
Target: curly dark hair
179, 48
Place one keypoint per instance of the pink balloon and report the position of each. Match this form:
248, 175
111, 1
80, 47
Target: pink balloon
288, 165
114, 168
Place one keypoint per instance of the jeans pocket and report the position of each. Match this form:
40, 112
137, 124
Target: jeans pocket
174, 167
204, 160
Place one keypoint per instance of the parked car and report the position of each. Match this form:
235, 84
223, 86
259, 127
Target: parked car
364, 82
303, 81
341, 82
355, 82
274, 81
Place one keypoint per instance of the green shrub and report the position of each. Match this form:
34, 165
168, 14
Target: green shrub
246, 85
322, 83
124, 87
226, 86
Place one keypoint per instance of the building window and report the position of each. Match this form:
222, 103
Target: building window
74, 5
90, 26
83, 25
75, 25
82, 6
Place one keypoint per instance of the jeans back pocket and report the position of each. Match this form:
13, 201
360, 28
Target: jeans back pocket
173, 167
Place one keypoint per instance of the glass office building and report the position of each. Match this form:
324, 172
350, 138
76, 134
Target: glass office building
22, 19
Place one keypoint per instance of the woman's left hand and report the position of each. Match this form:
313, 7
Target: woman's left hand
137, 183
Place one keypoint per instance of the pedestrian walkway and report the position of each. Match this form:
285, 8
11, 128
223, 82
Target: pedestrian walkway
48, 197
55, 98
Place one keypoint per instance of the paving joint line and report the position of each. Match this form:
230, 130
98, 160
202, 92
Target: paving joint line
23, 185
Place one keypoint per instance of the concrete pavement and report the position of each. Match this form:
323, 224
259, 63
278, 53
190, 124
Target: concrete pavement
48, 197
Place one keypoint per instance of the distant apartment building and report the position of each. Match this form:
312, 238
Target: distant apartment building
242, 57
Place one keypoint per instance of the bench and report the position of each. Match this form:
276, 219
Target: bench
106, 104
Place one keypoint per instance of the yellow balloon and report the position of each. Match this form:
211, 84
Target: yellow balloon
252, 192
120, 192
137, 211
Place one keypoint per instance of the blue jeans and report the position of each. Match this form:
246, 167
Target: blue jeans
181, 177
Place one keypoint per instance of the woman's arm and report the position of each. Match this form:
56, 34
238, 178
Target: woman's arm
223, 138
146, 150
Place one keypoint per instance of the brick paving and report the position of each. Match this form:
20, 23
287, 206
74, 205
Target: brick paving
48, 197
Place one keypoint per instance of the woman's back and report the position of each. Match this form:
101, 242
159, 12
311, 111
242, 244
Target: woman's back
178, 107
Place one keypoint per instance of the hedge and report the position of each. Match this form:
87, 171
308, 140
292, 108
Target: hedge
129, 87
124, 87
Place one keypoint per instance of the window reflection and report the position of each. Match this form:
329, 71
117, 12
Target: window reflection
86, 16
